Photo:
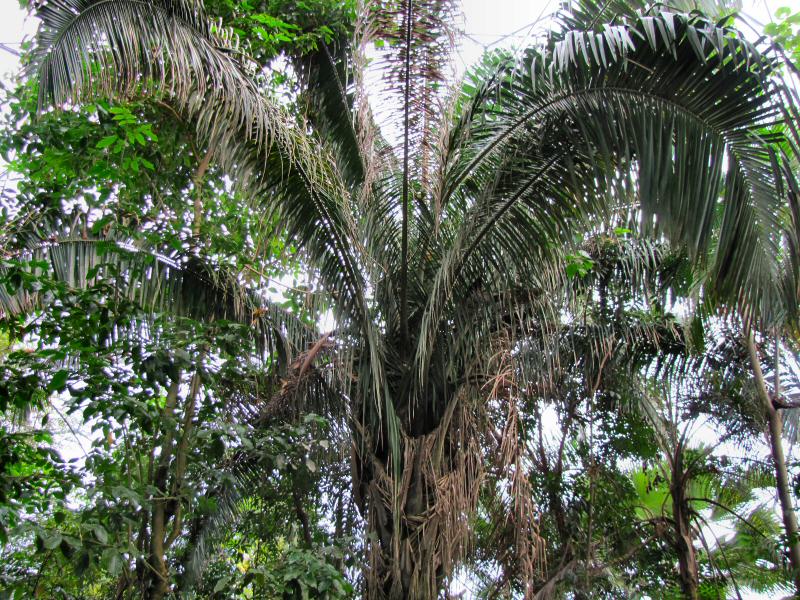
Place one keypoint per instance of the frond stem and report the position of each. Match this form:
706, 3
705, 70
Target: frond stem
729, 510
404, 206
508, 204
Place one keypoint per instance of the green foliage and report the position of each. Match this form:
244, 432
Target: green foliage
34, 480
511, 290
579, 264
290, 29
785, 30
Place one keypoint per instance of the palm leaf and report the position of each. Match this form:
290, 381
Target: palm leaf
155, 49
329, 93
416, 38
158, 284
564, 102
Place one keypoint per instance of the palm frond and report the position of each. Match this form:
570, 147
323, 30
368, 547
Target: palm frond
151, 49
330, 95
655, 109
176, 286
753, 559
591, 15
416, 41
156, 49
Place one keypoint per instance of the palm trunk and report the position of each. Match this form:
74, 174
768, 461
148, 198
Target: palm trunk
401, 563
687, 557
405, 561
418, 522
779, 460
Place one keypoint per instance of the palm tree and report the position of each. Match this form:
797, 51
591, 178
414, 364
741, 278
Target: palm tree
439, 252
690, 481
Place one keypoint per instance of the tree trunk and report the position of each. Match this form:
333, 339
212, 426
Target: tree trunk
406, 561
418, 523
779, 460
687, 557
159, 573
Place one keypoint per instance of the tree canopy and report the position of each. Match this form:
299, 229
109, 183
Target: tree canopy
290, 312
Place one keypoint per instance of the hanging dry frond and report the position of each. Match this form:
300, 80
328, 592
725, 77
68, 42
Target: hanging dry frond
519, 515
437, 495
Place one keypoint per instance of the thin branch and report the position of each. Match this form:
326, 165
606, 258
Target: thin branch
182, 451
198, 197
729, 510
69, 426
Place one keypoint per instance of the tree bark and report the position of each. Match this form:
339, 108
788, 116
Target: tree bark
406, 565
688, 571
684, 545
302, 516
175, 505
159, 576
779, 460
